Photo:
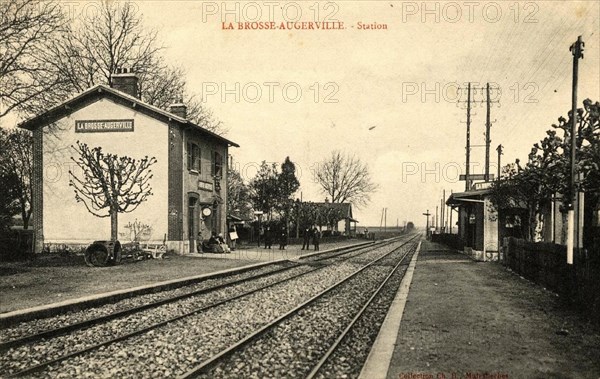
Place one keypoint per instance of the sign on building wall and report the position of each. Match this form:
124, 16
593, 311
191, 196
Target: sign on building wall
206, 186
96, 126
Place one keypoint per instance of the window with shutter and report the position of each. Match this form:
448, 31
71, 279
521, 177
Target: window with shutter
217, 164
196, 157
189, 156
193, 157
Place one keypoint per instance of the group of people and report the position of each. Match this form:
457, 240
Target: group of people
215, 244
267, 235
309, 234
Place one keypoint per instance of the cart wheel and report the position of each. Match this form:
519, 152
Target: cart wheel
96, 255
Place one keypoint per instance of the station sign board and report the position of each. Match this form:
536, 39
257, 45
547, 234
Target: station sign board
100, 126
206, 186
476, 177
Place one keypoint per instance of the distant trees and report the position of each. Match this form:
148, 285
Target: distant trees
9, 207
16, 169
287, 185
345, 179
330, 215
238, 195
263, 189
272, 191
8, 202
110, 184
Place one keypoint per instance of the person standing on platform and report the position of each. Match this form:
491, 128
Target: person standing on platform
316, 238
306, 234
268, 238
233, 236
283, 238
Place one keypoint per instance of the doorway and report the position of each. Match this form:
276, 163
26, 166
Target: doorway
192, 222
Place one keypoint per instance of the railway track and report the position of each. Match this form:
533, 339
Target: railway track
47, 327
289, 345
47, 352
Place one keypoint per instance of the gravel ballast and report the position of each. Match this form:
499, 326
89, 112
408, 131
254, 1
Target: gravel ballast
175, 348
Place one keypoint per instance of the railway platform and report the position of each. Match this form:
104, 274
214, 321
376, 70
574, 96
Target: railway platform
259, 253
466, 319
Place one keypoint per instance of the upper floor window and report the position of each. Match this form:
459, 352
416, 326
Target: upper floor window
193, 157
217, 164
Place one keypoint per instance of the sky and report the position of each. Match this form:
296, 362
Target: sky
303, 93
387, 95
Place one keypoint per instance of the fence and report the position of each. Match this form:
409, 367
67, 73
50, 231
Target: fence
546, 264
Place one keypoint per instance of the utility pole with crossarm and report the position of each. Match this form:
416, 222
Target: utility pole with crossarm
577, 51
427, 226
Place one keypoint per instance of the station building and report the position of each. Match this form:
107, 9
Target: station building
477, 223
483, 229
189, 177
347, 223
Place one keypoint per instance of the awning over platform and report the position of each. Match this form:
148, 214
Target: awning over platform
459, 198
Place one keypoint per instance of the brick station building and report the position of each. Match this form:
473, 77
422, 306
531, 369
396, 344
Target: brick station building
189, 177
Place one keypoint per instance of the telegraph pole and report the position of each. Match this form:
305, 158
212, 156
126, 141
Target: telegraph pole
468, 138
444, 211
487, 135
577, 51
442, 216
450, 226
451, 211
427, 225
499, 150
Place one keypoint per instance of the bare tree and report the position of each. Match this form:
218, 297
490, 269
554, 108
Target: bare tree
27, 28
138, 230
113, 36
110, 184
345, 179
16, 162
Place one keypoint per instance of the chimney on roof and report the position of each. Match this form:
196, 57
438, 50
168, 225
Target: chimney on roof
126, 81
178, 109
